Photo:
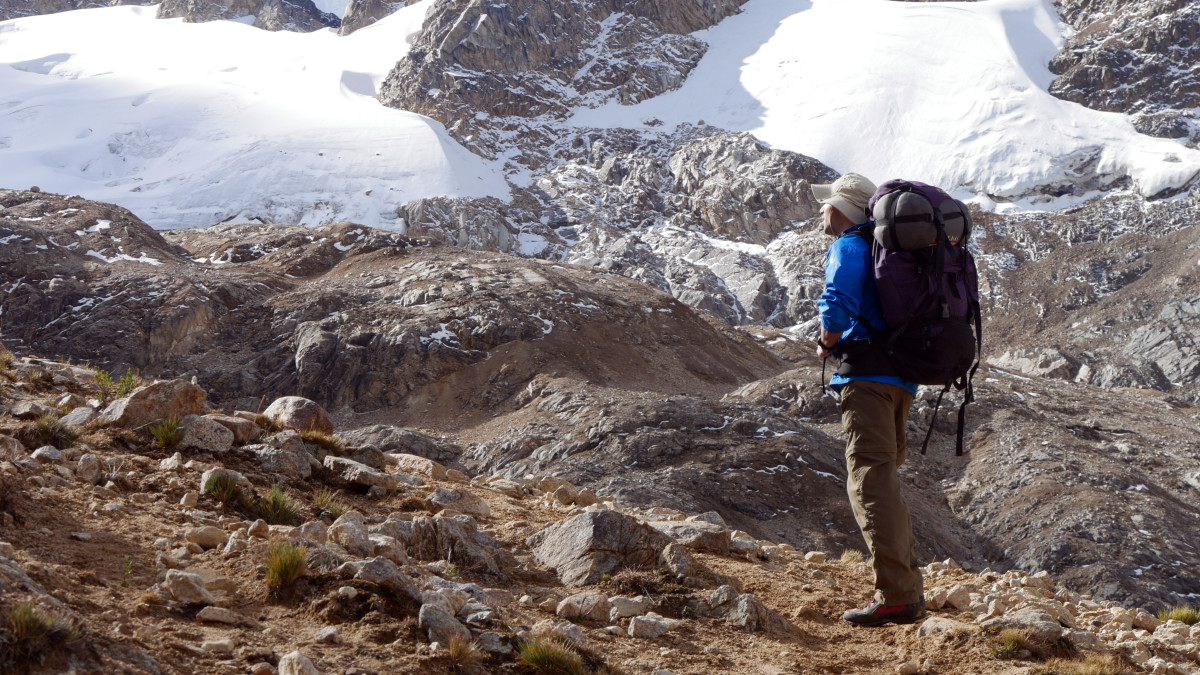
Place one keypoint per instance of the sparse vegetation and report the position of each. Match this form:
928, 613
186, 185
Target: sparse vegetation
550, 654
6, 361
327, 442
1188, 615
1094, 664
411, 503
462, 652
167, 433
267, 424
110, 389
451, 571
328, 502
27, 632
278, 508
224, 488
851, 556
39, 379
1019, 643
49, 430
286, 563
128, 570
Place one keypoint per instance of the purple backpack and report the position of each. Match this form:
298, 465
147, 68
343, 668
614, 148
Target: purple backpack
929, 292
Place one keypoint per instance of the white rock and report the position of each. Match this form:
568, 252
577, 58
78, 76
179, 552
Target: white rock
204, 434
958, 597
88, 469
218, 646
48, 454
648, 627
815, 556
218, 615
328, 635
908, 668
207, 536
623, 607
296, 663
350, 532
190, 499
187, 588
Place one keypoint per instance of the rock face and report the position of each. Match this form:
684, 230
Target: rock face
1126, 57
590, 545
604, 50
293, 15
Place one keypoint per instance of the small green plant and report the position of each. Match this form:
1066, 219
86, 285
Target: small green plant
1094, 664
126, 385
328, 502
51, 431
286, 562
327, 442
851, 556
451, 571
267, 424
167, 433
128, 570
550, 654
224, 488
104, 385
1188, 615
462, 652
278, 508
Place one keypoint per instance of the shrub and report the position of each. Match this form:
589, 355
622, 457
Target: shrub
6, 360
1009, 643
224, 488
51, 431
104, 385
462, 652
1188, 615
278, 508
26, 631
167, 433
286, 562
851, 556
327, 442
127, 384
550, 654
328, 502
411, 503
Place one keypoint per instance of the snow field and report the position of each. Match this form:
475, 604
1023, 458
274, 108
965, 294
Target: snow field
195, 124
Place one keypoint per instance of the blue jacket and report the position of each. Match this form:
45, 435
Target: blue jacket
849, 292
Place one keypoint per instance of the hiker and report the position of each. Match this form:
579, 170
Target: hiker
874, 408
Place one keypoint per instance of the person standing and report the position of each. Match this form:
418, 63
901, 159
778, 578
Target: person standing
874, 406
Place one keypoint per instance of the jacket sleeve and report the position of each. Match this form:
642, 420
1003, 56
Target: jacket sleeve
845, 272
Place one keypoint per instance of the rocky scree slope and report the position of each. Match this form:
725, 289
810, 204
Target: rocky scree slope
153, 556
526, 366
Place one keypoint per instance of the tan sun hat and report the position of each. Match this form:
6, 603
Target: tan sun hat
848, 194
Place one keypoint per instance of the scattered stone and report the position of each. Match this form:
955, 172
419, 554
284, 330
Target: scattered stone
259, 528
587, 606
958, 597
388, 547
623, 607
48, 454
296, 663
355, 474
350, 532
457, 476
81, 536
207, 536
815, 556
696, 535
172, 463
244, 430
747, 613
649, 626
440, 624
328, 635
11, 449
88, 470
218, 615
908, 668
301, 414
1040, 622
190, 499
460, 501
153, 402
493, 643
222, 647
590, 545
31, 410
385, 574
938, 625
78, 417
677, 561
418, 465
290, 463
204, 434
187, 588
508, 488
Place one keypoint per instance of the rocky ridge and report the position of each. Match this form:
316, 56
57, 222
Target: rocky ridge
1134, 57
294, 15
124, 542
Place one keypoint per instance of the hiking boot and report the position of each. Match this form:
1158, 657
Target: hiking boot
877, 614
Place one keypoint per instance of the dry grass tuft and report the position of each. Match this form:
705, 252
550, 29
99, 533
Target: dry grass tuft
462, 652
224, 488
550, 654
286, 563
27, 632
167, 433
267, 424
327, 442
1018, 643
415, 504
1188, 615
50, 431
1094, 664
850, 556
278, 508
328, 502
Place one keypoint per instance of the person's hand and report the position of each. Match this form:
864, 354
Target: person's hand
822, 352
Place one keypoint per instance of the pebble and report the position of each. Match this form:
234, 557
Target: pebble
218, 647
218, 615
190, 499
815, 556
259, 528
908, 668
328, 635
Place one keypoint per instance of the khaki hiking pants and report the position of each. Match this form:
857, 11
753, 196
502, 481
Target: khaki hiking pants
874, 416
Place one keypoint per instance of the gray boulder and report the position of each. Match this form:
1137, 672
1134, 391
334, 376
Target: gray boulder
187, 588
357, 475
78, 417
205, 434
696, 535
154, 402
291, 463
350, 532
388, 576
1039, 622
440, 624
590, 545
460, 501
244, 430
453, 538
299, 413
